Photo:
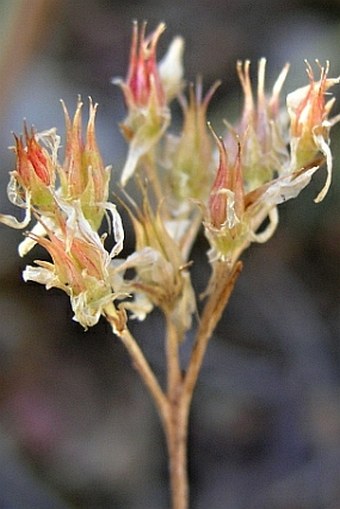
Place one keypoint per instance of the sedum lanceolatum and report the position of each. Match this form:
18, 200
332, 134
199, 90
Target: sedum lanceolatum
230, 184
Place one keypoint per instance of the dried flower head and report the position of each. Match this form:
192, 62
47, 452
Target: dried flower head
40, 180
161, 277
310, 125
263, 173
80, 262
234, 184
262, 128
148, 89
189, 156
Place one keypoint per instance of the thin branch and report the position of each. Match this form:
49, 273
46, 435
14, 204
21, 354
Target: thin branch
172, 356
223, 283
143, 368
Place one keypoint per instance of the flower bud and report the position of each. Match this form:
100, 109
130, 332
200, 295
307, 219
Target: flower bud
35, 171
224, 222
83, 175
147, 90
80, 262
189, 157
310, 125
261, 130
161, 278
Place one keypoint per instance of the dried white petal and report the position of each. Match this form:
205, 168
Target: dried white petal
286, 188
262, 237
171, 68
326, 151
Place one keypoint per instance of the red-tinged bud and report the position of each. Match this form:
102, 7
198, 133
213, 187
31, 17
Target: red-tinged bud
310, 126
307, 106
148, 83
143, 77
148, 89
226, 201
66, 273
73, 169
83, 175
34, 164
218, 196
33, 179
93, 161
226, 222
24, 170
87, 257
40, 162
80, 262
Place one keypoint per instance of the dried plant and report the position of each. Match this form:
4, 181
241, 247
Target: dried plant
231, 185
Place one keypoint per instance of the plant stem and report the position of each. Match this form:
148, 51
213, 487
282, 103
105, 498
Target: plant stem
174, 405
221, 286
174, 415
176, 429
181, 390
176, 434
172, 356
145, 372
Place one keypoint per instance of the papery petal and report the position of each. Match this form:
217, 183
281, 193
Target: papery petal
51, 140
146, 258
88, 307
13, 222
171, 69
140, 307
118, 230
28, 243
145, 137
286, 188
83, 314
326, 151
232, 218
269, 231
41, 275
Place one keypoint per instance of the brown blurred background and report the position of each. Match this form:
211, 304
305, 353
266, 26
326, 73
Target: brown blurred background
77, 428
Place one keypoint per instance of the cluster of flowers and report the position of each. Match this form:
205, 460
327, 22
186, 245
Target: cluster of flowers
230, 184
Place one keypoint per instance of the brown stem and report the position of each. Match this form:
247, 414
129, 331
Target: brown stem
174, 415
181, 391
176, 435
176, 429
172, 355
145, 372
222, 284
174, 406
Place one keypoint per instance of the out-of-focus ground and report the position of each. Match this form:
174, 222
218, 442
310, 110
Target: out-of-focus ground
77, 428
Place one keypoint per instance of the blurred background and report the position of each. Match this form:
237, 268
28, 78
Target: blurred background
77, 428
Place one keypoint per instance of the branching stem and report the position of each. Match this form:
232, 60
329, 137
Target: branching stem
174, 405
